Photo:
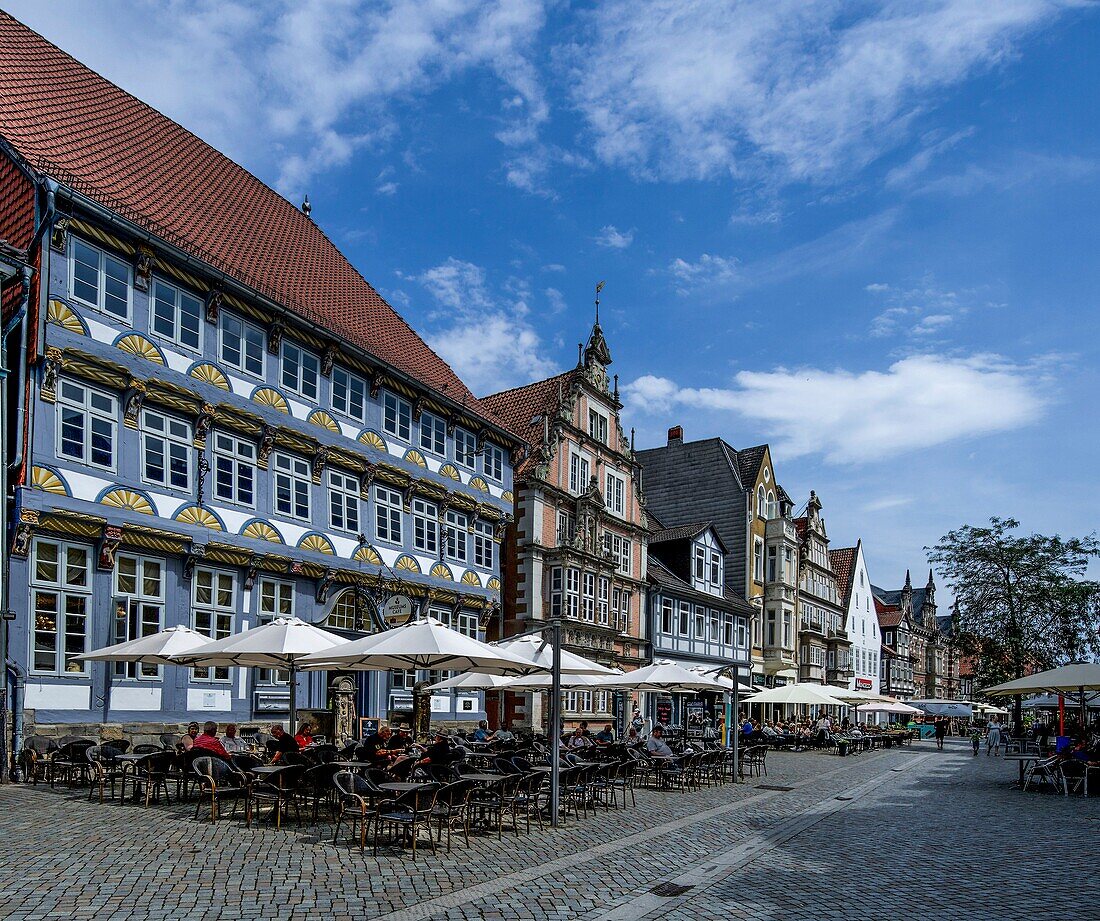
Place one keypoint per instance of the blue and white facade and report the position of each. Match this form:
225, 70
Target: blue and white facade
694, 620
198, 455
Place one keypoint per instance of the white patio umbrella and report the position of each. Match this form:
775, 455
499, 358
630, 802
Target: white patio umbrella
154, 649
808, 694
958, 708
727, 681
281, 643
426, 643
538, 649
544, 682
1077, 677
472, 681
663, 676
883, 706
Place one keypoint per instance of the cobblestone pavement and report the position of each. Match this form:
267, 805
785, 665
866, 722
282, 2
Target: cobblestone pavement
913, 833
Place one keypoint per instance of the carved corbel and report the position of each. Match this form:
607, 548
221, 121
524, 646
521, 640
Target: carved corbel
488, 612
24, 532
320, 459
143, 269
328, 359
324, 584
195, 556
417, 408
214, 300
502, 527
267, 445
275, 336
452, 422
52, 364
108, 546
59, 234
375, 381
203, 470
133, 401
252, 572
407, 496
445, 504
203, 424
366, 480
482, 434
295, 568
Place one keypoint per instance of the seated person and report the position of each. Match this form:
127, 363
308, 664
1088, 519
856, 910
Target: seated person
657, 747
632, 736
605, 736
207, 741
482, 734
304, 735
377, 750
439, 753
188, 738
283, 746
747, 728
578, 739
583, 726
232, 742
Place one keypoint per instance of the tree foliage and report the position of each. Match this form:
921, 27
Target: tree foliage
1022, 602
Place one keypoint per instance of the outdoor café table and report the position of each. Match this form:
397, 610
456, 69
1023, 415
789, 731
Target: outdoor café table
1023, 761
402, 786
273, 774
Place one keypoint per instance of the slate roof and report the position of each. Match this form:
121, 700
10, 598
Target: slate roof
680, 532
843, 563
659, 574
892, 599
71, 124
749, 461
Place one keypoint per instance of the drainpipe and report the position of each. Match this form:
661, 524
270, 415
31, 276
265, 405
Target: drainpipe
18, 683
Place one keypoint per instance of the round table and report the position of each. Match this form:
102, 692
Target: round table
402, 786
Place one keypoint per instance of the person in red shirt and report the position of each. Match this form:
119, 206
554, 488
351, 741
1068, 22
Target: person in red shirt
207, 740
305, 734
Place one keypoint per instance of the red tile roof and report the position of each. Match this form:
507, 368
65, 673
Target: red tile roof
800, 525
70, 123
521, 409
843, 563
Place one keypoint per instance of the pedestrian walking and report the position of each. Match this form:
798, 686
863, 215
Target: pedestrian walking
975, 739
993, 738
941, 731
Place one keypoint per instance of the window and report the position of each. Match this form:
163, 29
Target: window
166, 447
213, 604
344, 614
602, 601
620, 610
349, 394
555, 592
773, 564
788, 642
100, 280
758, 560
403, 679
176, 315
396, 416
242, 345
572, 591
578, 474
616, 491
685, 619
566, 528
727, 630
761, 502
483, 544
88, 426
61, 587
494, 463
769, 632
715, 569
667, 615
433, 434
454, 536
343, 502
588, 597
387, 514
425, 526
234, 469
465, 622
619, 549
788, 564
139, 607
742, 634
465, 448
715, 625
700, 623
276, 600
300, 370
700, 554
597, 426
293, 480
772, 507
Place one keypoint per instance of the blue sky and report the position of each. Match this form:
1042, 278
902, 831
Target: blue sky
864, 232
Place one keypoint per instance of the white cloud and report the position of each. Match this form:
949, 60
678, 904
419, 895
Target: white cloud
811, 87
483, 334
613, 238
1020, 169
706, 271
297, 87
918, 403
885, 503
925, 309
556, 300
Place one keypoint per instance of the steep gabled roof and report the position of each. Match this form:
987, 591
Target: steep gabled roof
521, 409
680, 532
71, 124
657, 573
843, 563
800, 526
749, 461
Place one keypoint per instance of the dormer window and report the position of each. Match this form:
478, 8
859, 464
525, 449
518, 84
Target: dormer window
597, 426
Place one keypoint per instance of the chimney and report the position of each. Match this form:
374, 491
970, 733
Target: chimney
676, 435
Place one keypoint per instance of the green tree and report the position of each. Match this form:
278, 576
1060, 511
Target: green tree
1022, 602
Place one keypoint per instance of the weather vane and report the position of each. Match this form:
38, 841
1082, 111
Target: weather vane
599, 288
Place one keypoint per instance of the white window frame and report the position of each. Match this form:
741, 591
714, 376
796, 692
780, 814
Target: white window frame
616, 494
603, 598
245, 345
66, 590
89, 415
567, 528
138, 605
483, 544
588, 596
295, 476
173, 446
179, 297
341, 616
580, 473
344, 502
556, 591
306, 381
758, 559
239, 457
572, 592
668, 616
432, 434
352, 385
274, 598
396, 416
455, 544
465, 447
388, 510
493, 462
425, 526
100, 303
221, 614
599, 428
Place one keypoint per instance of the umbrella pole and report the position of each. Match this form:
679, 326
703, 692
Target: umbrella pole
1061, 714
555, 719
293, 696
1083, 710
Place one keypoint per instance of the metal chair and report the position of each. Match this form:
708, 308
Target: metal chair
105, 769
218, 779
452, 805
408, 814
356, 799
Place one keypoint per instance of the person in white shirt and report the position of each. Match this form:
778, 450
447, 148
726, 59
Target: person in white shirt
232, 742
656, 746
